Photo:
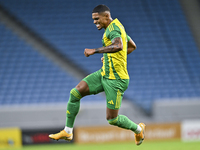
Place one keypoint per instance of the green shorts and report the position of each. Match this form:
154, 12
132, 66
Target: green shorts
114, 89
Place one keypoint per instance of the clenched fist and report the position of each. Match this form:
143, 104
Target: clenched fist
89, 52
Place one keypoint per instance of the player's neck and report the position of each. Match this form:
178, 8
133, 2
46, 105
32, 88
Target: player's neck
110, 20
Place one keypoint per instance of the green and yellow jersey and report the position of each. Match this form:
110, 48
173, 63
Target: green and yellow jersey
115, 64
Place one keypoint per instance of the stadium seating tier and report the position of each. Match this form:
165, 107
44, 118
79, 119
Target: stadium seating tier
166, 63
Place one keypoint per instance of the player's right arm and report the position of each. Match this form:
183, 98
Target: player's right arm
131, 45
116, 46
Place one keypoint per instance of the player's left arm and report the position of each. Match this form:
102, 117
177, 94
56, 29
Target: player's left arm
131, 46
116, 46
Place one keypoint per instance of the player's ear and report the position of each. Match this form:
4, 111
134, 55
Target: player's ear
107, 15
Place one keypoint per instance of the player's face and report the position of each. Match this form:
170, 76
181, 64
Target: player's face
99, 20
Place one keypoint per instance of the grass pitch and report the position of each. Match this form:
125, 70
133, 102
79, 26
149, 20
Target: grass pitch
161, 145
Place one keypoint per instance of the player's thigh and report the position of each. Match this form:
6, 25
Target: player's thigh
94, 82
114, 90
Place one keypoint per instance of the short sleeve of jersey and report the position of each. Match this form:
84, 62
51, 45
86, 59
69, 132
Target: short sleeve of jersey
114, 33
128, 38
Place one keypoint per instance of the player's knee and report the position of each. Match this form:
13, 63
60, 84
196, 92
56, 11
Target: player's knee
74, 95
113, 121
83, 88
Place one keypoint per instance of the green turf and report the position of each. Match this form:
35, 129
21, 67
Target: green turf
164, 145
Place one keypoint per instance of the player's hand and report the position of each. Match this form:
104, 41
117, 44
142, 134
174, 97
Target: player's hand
89, 52
102, 59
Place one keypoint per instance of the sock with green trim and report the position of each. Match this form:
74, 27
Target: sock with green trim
124, 122
73, 107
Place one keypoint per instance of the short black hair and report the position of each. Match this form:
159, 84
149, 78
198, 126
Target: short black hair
101, 8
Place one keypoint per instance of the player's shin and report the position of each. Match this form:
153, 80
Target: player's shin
124, 122
72, 109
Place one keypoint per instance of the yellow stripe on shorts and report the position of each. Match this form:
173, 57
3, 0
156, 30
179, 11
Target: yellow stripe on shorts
118, 99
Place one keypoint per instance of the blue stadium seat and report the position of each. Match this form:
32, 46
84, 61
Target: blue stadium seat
166, 63
29, 78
